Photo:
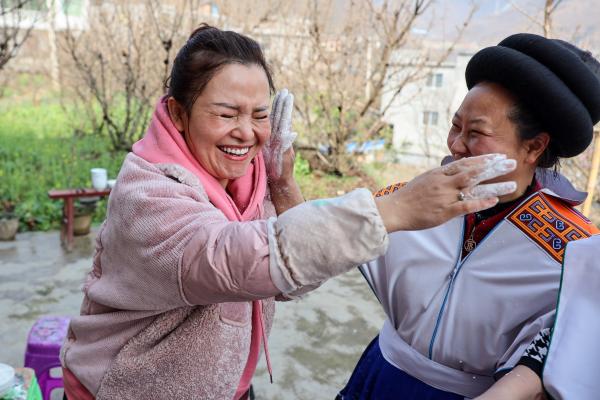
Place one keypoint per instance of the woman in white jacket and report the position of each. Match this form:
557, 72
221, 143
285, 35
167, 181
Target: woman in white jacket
466, 298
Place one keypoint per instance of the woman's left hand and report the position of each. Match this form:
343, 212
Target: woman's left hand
279, 155
287, 167
278, 151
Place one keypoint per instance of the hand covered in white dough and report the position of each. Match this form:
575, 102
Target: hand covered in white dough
443, 193
493, 166
282, 136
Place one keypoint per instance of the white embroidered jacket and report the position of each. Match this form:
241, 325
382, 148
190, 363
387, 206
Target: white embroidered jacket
454, 323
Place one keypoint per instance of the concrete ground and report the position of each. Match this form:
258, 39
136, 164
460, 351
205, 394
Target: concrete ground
314, 345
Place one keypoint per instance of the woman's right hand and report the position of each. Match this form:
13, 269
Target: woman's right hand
443, 193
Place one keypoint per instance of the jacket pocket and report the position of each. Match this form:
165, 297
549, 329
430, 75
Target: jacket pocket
235, 314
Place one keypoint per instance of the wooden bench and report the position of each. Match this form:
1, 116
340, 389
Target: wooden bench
68, 197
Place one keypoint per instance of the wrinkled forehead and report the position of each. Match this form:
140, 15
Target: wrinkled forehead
238, 84
486, 101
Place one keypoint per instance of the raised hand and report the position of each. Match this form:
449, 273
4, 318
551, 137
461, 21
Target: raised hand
277, 161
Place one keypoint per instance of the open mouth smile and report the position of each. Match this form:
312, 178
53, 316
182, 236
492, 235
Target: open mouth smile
235, 151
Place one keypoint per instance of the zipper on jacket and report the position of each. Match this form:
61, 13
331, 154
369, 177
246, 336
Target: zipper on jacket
439, 317
451, 277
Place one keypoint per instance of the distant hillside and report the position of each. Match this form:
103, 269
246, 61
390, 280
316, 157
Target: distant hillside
577, 21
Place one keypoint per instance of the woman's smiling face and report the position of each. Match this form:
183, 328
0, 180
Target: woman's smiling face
229, 122
481, 125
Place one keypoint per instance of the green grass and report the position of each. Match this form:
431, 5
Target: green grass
38, 152
27, 120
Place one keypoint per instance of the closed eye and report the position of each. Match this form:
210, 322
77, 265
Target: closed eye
228, 116
261, 117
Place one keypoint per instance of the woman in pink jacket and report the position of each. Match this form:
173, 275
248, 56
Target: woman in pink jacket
179, 301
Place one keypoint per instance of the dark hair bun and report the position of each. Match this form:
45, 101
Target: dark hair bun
557, 81
207, 50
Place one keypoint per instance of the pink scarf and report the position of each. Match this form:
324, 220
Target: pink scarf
163, 143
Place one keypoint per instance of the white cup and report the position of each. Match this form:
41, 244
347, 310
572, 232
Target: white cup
99, 178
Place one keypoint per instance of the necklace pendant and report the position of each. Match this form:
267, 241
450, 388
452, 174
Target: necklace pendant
470, 245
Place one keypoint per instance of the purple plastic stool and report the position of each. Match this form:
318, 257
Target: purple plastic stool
43, 348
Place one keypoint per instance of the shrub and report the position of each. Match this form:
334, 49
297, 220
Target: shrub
39, 153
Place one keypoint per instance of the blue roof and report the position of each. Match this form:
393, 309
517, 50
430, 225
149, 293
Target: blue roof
366, 147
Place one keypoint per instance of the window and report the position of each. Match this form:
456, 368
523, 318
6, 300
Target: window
36, 5
214, 10
14, 5
435, 80
430, 118
74, 8
36, 12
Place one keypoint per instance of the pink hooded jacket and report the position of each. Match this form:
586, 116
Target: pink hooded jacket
241, 201
167, 306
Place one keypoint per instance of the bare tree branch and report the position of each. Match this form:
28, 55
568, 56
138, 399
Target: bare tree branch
526, 15
338, 62
12, 32
117, 78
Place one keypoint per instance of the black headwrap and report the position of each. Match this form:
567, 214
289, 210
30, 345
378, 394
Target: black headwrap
557, 81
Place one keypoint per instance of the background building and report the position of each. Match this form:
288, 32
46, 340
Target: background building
421, 113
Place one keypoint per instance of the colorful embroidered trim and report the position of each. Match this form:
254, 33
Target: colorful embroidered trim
390, 189
546, 226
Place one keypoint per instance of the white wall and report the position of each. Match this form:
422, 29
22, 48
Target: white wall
415, 141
